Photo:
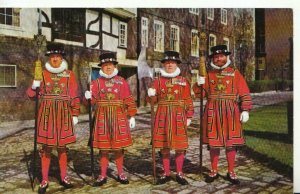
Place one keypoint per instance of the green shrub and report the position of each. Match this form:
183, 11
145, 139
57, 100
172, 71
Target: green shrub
267, 85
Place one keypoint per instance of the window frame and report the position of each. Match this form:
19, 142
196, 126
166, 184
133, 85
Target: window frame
209, 42
210, 12
224, 15
15, 17
144, 28
122, 45
175, 46
15, 77
195, 54
162, 41
194, 11
225, 39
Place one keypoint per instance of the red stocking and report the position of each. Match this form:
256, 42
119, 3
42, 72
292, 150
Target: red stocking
103, 162
230, 154
62, 160
214, 158
179, 158
166, 161
119, 155
45, 154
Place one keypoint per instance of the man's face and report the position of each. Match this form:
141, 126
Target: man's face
55, 60
219, 59
108, 68
170, 66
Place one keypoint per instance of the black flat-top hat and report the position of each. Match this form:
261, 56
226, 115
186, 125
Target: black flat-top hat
55, 48
171, 55
107, 57
219, 49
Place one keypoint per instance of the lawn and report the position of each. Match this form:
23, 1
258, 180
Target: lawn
266, 133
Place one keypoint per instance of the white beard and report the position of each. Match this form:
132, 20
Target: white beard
102, 74
165, 74
63, 66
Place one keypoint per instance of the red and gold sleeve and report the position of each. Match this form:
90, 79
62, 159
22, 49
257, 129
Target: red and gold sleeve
128, 100
73, 92
243, 92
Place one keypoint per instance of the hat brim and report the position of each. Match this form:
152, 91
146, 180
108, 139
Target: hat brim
225, 53
114, 62
177, 60
48, 54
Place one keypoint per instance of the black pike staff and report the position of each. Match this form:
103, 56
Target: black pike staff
37, 90
37, 76
152, 140
91, 127
202, 72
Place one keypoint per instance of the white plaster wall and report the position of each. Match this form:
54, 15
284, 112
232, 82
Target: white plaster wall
110, 43
91, 40
115, 26
106, 23
91, 16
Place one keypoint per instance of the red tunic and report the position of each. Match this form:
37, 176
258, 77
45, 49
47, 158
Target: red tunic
174, 107
113, 104
224, 90
58, 104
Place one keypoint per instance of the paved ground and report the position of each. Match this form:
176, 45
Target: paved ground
16, 158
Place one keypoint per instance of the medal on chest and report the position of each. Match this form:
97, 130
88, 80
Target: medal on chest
56, 89
109, 94
221, 86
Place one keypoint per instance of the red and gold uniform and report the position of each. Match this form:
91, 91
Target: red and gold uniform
58, 104
114, 104
227, 94
175, 106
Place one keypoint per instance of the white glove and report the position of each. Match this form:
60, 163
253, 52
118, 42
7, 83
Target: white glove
132, 122
75, 120
188, 122
35, 84
200, 80
244, 116
151, 92
88, 95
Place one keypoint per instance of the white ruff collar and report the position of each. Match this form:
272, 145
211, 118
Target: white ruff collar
63, 66
222, 67
102, 74
165, 74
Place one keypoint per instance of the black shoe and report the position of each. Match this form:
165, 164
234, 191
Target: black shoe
163, 179
211, 177
100, 181
43, 187
181, 180
232, 178
66, 183
123, 179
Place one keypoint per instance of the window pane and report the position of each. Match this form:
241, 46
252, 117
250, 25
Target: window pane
2, 11
8, 11
9, 20
2, 19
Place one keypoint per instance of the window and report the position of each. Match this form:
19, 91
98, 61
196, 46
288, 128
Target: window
194, 11
68, 24
8, 75
195, 43
212, 41
158, 36
224, 16
226, 42
10, 16
210, 13
122, 34
144, 38
174, 38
